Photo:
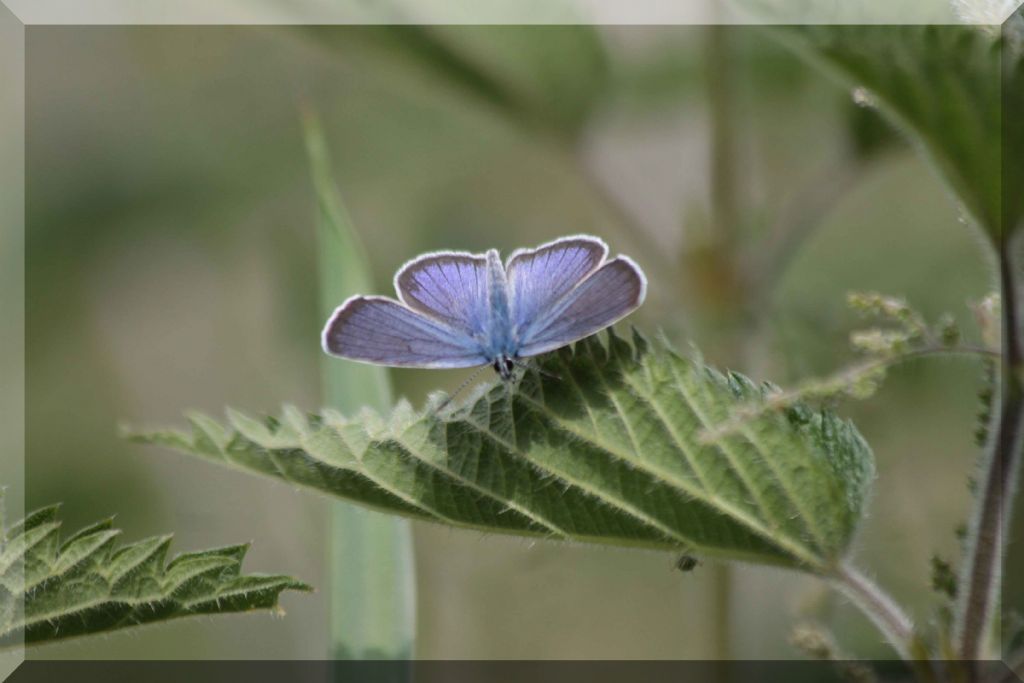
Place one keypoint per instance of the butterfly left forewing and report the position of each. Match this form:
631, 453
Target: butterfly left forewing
450, 286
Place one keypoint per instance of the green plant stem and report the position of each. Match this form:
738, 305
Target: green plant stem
370, 556
881, 609
372, 586
720, 79
834, 384
979, 583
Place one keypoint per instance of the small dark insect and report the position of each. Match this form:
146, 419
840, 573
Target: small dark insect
687, 563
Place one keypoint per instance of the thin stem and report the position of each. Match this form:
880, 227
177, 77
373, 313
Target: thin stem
725, 208
985, 547
881, 609
832, 385
725, 217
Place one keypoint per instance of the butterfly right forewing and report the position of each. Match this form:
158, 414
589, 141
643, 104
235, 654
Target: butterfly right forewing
539, 278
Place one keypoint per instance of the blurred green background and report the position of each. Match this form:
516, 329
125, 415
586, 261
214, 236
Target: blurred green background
171, 265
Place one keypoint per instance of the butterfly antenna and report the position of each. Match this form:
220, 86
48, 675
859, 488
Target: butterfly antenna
465, 383
534, 366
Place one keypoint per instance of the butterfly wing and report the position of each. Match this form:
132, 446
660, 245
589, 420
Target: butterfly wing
379, 330
449, 286
539, 278
610, 293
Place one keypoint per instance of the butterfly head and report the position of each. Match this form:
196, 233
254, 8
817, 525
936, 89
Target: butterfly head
504, 365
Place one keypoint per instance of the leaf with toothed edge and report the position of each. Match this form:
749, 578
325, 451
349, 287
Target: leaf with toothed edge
941, 86
604, 447
87, 584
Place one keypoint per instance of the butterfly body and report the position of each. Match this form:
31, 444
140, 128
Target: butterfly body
458, 309
500, 339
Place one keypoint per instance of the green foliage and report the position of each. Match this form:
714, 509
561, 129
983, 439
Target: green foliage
905, 330
817, 643
905, 334
87, 584
944, 579
986, 401
940, 85
607, 452
869, 133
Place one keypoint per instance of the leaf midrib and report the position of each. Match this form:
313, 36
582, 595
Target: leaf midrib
133, 603
735, 461
637, 515
469, 483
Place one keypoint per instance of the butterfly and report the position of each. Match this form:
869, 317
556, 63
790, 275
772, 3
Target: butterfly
457, 309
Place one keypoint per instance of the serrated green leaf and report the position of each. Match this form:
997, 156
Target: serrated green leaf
86, 585
42, 516
1013, 123
81, 555
609, 452
29, 553
938, 84
133, 566
102, 525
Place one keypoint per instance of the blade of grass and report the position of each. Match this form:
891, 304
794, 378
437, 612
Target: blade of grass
370, 554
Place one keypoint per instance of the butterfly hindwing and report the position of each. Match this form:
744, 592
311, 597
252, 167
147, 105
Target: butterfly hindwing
383, 331
612, 292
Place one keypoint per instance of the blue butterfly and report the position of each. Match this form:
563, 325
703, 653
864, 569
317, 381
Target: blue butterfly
458, 310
